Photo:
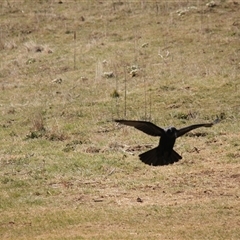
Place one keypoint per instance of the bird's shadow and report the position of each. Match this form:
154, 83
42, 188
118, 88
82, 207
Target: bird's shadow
197, 134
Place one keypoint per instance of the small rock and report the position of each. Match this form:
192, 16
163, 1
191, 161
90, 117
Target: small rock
84, 79
211, 4
134, 73
108, 74
57, 80
144, 45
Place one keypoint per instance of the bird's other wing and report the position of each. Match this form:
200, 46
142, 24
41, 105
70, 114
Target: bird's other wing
182, 131
146, 127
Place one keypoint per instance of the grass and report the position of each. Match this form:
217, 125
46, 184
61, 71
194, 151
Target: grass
69, 172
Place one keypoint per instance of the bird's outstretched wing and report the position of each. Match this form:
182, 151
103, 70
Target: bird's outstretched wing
182, 131
146, 127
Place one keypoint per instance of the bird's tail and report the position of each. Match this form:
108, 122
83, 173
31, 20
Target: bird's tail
154, 158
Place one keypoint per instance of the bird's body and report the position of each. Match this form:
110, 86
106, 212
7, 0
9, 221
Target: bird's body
163, 154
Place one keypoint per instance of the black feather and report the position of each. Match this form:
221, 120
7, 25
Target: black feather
163, 154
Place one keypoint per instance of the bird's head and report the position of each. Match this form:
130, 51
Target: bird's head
172, 132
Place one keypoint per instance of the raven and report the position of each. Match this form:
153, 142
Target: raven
163, 154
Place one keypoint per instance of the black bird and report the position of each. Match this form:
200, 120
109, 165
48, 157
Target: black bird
163, 154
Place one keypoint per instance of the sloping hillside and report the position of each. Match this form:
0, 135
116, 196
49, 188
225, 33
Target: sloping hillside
68, 68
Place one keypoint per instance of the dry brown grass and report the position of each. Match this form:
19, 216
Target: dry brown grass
69, 172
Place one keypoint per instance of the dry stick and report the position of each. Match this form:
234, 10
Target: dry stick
9, 5
145, 98
157, 8
116, 87
74, 54
113, 5
125, 92
150, 106
116, 91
